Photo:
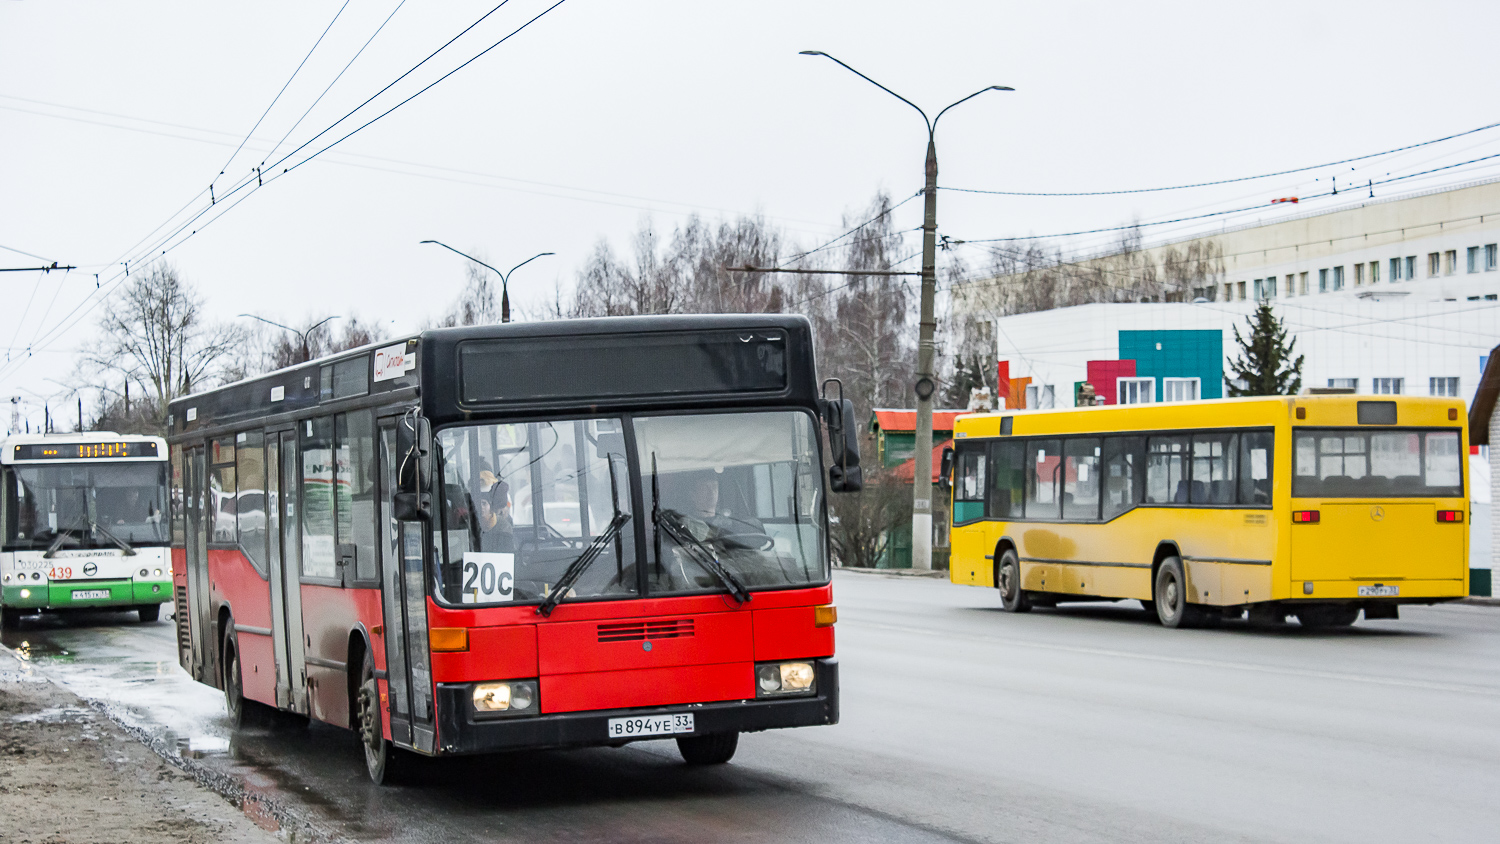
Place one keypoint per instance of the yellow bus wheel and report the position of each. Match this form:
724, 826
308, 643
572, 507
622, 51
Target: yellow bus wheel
1172, 606
1008, 580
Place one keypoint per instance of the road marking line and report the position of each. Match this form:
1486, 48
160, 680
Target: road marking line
1178, 660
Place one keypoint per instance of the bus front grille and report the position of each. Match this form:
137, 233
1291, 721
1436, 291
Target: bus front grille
635, 631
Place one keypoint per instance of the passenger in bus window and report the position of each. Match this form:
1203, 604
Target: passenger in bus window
496, 527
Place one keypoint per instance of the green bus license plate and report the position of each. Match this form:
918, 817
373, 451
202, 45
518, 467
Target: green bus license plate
90, 594
1379, 591
655, 725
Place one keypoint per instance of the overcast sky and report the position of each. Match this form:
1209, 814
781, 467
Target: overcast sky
114, 116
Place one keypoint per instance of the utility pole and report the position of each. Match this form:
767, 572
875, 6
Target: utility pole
921, 505
921, 515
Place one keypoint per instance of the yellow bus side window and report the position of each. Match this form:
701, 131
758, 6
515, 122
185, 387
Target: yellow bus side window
1008, 484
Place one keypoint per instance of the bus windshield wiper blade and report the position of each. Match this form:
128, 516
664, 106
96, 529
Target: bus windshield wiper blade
122, 544
578, 566
666, 522
65, 533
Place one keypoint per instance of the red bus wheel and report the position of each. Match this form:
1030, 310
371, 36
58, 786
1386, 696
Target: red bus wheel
713, 749
383, 760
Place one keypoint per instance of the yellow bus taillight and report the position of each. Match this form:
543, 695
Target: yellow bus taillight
448, 639
1305, 517
1450, 515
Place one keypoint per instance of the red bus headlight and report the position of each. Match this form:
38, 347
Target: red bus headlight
785, 678
512, 696
1450, 515
1305, 517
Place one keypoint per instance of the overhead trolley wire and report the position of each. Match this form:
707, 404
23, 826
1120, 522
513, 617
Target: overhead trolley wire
260, 181
1225, 181
251, 177
1257, 206
340, 75
92, 301
22, 252
397, 80
424, 90
420, 173
284, 86
873, 219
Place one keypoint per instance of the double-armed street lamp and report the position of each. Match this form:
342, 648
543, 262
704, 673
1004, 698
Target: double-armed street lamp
504, 277
921, 520
306, 352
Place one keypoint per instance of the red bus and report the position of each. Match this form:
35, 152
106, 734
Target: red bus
543, 535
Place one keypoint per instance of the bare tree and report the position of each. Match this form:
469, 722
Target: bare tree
154, 338
863, 322
685, 274
476, 303
868, 520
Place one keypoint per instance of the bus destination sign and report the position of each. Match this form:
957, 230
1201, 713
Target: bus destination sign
84, 451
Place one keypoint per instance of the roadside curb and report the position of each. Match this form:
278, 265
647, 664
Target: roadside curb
895, 572
1480, 601
291, 825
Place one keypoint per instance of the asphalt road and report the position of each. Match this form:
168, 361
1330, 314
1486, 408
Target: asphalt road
1082, 724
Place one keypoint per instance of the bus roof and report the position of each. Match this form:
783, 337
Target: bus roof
389, 371
1250, 411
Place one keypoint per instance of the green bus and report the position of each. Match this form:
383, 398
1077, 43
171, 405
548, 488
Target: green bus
84, 525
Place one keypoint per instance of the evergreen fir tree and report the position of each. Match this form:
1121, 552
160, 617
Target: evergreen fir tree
1265, 366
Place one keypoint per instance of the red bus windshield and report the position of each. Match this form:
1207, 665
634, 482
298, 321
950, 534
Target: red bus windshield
522, 501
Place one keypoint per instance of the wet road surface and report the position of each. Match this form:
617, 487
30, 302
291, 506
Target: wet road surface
1084, 724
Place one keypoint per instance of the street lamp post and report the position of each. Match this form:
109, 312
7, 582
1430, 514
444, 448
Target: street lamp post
504, 277
306, 351
921, 518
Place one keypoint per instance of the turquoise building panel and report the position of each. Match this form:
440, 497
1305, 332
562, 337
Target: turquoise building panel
1177, 354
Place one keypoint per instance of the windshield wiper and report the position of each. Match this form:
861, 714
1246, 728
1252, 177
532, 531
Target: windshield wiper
65, 533
666, 522
578, 566
122, 544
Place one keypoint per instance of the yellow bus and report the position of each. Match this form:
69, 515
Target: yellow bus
1316, 507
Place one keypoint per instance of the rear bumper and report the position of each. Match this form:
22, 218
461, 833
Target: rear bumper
459, 733
1412, 591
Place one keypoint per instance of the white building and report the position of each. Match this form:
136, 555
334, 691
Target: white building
1439, 244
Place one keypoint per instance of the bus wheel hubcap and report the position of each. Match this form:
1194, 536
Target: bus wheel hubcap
366, 719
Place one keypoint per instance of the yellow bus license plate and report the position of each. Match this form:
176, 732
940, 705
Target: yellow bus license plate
1379, 591
655, 725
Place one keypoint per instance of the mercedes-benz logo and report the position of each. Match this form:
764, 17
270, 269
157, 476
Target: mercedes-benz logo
1377, 513
90, 569
645, 646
